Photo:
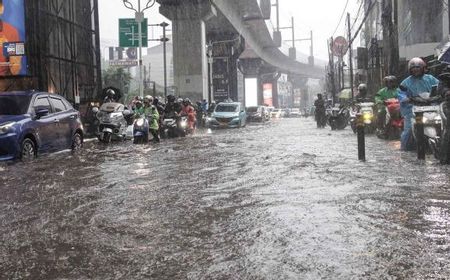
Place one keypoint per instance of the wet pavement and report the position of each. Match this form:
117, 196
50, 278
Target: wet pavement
277, 201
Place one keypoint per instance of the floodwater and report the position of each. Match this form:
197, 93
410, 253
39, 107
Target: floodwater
277, 201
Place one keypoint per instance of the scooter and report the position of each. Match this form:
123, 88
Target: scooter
425, 103
366, 109
113, 121
140, 130
338, 117
175, 127
393, 122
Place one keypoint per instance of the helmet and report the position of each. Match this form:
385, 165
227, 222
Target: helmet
186, 101
390, 81
362, 87
148, 98
138, 102
170, 98
110, 92
416, 62
180, 100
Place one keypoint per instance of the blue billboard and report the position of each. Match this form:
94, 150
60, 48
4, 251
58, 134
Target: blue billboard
13, 61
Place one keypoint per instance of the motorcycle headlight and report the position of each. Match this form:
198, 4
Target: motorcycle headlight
5, 128
367, 117
140, 122
183, 124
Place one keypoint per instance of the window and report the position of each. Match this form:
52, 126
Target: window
58, 105
14, 104
42, 103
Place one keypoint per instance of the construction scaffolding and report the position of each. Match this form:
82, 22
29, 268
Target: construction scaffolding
62, 48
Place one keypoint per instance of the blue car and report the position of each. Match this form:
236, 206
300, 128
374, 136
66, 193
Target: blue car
228, 114
34, 122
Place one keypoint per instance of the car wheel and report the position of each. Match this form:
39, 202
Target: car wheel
77, 142
28, 150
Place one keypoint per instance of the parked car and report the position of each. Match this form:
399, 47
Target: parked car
294, 113
257, 114
228, 114
37, 122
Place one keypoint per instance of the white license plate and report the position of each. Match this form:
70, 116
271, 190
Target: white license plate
421, 109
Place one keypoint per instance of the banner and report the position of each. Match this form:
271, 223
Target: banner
13, 61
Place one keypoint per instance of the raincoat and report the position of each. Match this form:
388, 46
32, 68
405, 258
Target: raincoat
189, 111
153, 117
382, 95
414, 86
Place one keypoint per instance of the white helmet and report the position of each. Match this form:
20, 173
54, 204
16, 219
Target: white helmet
416, 62
148, 98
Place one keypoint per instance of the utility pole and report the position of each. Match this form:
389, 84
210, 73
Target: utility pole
164, 25
331, 58
164, 40
139, 17
350, 54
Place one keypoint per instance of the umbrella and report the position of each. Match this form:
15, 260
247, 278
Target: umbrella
444, 56
346, 93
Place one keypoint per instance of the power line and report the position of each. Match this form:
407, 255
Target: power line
342, 16
357, 15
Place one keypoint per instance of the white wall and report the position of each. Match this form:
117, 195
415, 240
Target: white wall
251, 92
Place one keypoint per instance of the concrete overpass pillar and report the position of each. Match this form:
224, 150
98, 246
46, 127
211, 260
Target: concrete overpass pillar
189, 47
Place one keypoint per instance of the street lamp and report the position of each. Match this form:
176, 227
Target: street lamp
139, 17
164, 40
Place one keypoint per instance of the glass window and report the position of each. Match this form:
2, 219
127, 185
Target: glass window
42, 103
58, 105
227, 108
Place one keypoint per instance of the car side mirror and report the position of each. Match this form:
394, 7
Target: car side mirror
41, 112
95, 110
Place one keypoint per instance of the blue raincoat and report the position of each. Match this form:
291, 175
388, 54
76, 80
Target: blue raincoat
414, 86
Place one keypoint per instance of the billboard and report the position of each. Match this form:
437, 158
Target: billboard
268, 94
13, 61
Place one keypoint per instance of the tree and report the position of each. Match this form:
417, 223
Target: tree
117, 77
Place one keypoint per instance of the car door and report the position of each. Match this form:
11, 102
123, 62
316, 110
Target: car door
45, 126
63, 118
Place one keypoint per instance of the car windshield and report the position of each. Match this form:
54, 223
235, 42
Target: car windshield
252, 109
227, 108
14, 104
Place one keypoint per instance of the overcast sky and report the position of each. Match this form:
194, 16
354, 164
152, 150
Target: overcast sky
321, 16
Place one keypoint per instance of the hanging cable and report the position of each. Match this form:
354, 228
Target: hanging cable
340, 20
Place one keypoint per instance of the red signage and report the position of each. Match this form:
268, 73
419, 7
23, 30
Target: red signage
340, 46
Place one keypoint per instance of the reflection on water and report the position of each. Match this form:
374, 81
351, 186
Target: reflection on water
276, 201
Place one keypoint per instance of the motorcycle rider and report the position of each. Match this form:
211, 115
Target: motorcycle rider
362, 94
110, 96
151, 112
418, 82
172, 109
139, 109
189, 111
389, 91
320, 111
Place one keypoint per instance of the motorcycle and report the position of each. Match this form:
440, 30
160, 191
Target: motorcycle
140, 130
444, 142
338, 117
432, 121
175, 127
113, 121
392, 122
366, 109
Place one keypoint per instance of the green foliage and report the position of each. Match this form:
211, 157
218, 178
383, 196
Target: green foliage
117, 77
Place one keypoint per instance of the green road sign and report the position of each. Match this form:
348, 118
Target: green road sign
129, 33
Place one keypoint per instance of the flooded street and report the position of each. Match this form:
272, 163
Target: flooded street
277, 201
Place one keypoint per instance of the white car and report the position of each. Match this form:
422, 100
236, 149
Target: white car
276, 114
295, 113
